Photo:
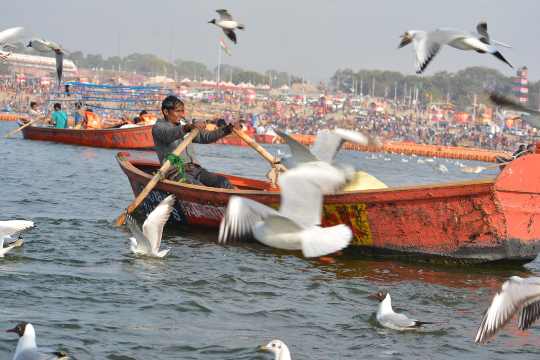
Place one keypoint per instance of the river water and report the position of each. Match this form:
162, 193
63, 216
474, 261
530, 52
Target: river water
77, 282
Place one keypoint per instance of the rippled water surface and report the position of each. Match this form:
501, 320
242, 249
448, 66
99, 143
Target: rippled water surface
76, 281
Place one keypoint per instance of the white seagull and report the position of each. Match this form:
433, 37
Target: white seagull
148, 241
517, 295
428, 44
227, 24
278, 347
392, 320
27, 348
45, 46
9, 229
296, 225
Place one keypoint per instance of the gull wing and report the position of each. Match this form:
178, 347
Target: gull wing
399, 320
230, 34
240, 217
425, 49
512, 104
329, 142
10, 34
135, 230
224, 15
14, 227
302, 190
59, 65
517, 294
156, 220
482, 30
300, 153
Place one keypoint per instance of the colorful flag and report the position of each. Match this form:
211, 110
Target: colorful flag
224, 47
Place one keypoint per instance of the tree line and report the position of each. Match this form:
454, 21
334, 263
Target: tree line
459, 88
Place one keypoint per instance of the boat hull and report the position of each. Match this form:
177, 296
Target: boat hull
129, 138
481, 221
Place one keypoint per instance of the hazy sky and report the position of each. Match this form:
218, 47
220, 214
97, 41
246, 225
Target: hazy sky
307, 37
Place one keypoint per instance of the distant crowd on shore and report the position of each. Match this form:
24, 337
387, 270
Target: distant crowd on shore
265, 112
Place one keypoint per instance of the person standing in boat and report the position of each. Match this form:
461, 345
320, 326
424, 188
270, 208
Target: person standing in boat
59, 117
169, 132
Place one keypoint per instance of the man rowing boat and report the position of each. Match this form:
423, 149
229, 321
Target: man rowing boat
170, 131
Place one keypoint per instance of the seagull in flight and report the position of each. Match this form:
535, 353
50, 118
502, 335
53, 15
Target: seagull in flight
45, 46
514, 105
517, 295
227, 24
278, 347
428, 44
148, 241
392, 320
9, 229
27, 348
5, 37
296, 225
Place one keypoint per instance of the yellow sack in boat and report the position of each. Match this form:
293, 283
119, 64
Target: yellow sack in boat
364, 181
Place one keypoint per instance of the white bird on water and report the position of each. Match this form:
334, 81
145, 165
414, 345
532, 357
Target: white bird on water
296, 225
9, 229
227, 24
428, 44
148, 241
27, 348
45, 46
517, 295
278, 347
392, 320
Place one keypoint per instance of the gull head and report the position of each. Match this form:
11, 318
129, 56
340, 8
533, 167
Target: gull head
275, 346
19, 329
379, 295
406, 39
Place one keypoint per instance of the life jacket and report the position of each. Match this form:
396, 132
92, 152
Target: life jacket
92, 120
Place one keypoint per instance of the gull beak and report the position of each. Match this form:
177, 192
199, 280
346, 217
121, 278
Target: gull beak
14, 330
406, 39
263, 348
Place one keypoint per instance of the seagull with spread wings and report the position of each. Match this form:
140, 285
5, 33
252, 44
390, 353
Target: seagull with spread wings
227, 24
517, 295
296, 225
46, 46
428, 44
148, 241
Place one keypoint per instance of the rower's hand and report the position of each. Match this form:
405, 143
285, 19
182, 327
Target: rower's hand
187, 128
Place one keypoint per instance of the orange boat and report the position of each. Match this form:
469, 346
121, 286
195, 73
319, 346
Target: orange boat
128, 138
478, 221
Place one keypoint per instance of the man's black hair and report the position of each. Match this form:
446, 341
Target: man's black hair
57, 106
144, 112
170, 102
32, 103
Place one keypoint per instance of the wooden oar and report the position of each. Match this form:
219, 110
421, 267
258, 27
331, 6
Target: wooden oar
274, 163
479, 169
157, 177
257, 147
22, 127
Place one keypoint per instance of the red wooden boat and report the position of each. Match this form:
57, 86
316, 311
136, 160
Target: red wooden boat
128, 138
478, 221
